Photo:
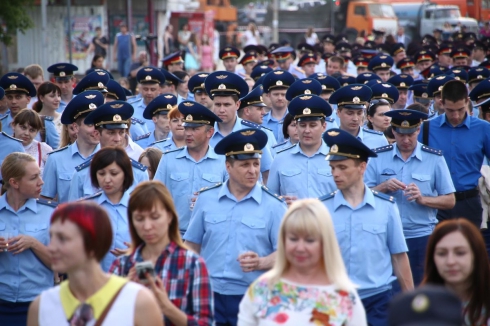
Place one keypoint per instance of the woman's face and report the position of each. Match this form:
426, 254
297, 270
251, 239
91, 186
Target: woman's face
293, 132
72, 132
146, 162
99, 63
152, 226
379, 120
176, 127
111, 179
66, 247
303, 252
29, 186
51, 101
25, 132
453, 258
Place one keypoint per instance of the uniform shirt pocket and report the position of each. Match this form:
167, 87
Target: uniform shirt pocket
179, 184
214, 218
290, 180
66, 176
212, 178
423, 181
374, 228
38, 231
253, 222
325, 172
3, 226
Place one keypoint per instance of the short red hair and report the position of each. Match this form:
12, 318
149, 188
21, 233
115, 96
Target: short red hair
92, 221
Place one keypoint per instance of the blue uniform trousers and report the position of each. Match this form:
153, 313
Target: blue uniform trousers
376, 307
226, 309
13, 313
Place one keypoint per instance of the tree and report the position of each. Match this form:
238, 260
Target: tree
13, 18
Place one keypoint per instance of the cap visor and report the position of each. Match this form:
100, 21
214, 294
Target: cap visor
354, 106
115, 126
193, 125
331, 157
246, 156
405, 131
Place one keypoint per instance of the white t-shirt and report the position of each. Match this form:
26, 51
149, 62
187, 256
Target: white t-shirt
312, 40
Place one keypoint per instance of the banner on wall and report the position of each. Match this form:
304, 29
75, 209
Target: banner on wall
82, 33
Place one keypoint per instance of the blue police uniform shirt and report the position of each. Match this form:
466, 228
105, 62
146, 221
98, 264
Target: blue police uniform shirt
183, 177
271, 139
139, 107
6, 127
138, 128
81, 184
9, 145
293, 172
165, 145
298, 72
59, 170
63, 105
279, 147
145, 140
4, 114
118, 214
372, 138
274, 125
226, 227
463, 147
426, 168
24, 276
191, 97
367, 235
52, 136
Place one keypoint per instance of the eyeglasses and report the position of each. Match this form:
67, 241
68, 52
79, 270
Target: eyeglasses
376, 102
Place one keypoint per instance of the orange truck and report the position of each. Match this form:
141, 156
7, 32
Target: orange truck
477, 9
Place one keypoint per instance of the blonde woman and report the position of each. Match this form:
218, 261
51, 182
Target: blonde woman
308, 284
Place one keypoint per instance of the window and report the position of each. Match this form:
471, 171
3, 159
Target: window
381, 10
360, 10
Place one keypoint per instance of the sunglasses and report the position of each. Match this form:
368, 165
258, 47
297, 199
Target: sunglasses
376, 102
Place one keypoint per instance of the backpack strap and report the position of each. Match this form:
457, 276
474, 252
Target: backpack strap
108, 307
425, 136
42, 132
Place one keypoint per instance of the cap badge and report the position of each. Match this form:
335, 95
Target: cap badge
148, 78
356, 100
248, 132
148, 69
13, 86
306, 81
169, 96
116, 106
279, 83
279, 72
420, 303
101, 73
457, 78
402, 85
60, 67
304, 98
116, 118
479, 77
383, 64
425, 95
188, 103
188, 118
248, 147
386, 85
356, 88
333, 133
306, 111
457, 71
405, 113
222, 86
221, 76
324, 87
383, 57
261, 99
345, 84
169, 106
322, 77
202, 75
227, 49
405, 124
90, 97
100, 85
307, 91
334, 149
384, 95
202, 85
62, 74
92, 106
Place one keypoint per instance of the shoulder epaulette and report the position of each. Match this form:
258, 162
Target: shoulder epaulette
329, 119
383, 149
299, 69
45, 202
276, 196
210, 187
143, 136
46, 117
138, 165
372, 131
383, 196
84, 165
159, 141
285, 149
59, 150
327, 196
8, 136
174, 150
92, 196
3, 116
134, 120
277, 145
253, 125
432, 150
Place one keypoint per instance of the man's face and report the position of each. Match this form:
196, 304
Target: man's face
230, 64
278, 99
284, 64
245, 173
149, 91
248, 67
309, 68
197, 137
225, 108
460, 61
204, 99
478, 54
408, 71
347, 173
445, 60
310, 132
17, 102
406, 143
36, 81
333, 67
168, 88
112, 137
421, 66
402, 98
400, 31
384, 74
326, 95
254, 114
361, 70
66, 86
182, 87
438, 102
399, 56
175, 67
4, 104
455, 111
87, 133
328, 47
161, 122
350, 120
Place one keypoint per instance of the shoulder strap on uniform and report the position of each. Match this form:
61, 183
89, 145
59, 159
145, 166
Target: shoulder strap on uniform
135, 120
59, 150
277, 145
47, 202
329, 119
143, 136
159, 141
84, 165
285, 149
432, 150
383, 149
425, 130
327, 196
174, 150
383, 196
276, 196
371, 131
89, 197
8, 136
210, 187
138, 165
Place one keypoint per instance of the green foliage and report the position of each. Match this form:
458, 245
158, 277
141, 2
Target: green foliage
14, 17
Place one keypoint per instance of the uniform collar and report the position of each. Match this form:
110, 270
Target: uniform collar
236, 126
124, 199
75, 150
417, 152
255, 193
324, 149
466, 122
131, 143
30, 204
360, 135
209, 154
367, 200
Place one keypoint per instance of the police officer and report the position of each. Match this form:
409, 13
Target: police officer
196, 87
63, 74
173, 62
434, 88
9, 143
95, 81
368, 227
284, 59
402, 82
235, 224
188, 169
381, 65
229, 55
351, 101
420, 94
18, 91
385, 91
171, 83
61, 163
418, 178
299, 171
110, 121
157, 111
464, 142
248, 61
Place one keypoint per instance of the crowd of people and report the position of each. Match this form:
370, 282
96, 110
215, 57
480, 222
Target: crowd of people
335, 183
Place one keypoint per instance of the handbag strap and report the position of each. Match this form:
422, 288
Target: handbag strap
425, 133
108, 307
